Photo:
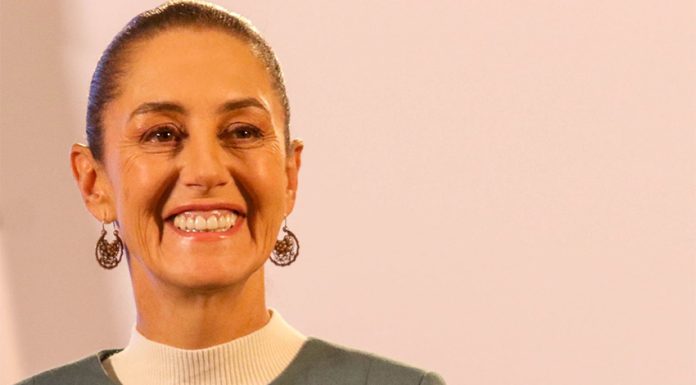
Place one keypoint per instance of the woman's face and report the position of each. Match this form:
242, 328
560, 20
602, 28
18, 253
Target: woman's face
195, 157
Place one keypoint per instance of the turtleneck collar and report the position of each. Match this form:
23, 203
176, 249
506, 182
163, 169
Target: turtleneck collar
256, 358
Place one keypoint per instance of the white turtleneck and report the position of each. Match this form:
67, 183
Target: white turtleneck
254, 359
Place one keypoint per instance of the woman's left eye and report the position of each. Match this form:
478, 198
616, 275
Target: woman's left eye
242, 133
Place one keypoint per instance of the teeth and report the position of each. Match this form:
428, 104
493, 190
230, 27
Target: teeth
208, 221
200, 223
179, 221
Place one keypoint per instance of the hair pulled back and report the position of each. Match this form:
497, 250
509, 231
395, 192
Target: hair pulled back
186, 13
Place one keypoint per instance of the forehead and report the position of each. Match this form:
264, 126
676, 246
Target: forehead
196, 67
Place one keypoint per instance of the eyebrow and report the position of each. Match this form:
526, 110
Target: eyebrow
241, 103
228, 106
157, 107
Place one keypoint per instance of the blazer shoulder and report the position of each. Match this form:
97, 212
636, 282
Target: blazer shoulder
324, 362
85, 371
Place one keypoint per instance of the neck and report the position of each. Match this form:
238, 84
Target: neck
197, 319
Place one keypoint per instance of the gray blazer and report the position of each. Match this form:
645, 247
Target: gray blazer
317, 363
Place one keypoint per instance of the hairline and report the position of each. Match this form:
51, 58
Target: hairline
125, 53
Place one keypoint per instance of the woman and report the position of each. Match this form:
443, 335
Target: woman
190, 160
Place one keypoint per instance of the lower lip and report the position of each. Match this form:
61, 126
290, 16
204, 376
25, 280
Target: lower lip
208, 235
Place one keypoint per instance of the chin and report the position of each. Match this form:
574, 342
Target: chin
212, 275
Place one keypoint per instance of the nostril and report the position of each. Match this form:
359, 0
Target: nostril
203, 181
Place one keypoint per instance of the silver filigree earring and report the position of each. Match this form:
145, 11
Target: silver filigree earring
109, 253
287, 249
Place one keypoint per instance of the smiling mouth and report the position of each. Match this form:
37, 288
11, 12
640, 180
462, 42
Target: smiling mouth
212, 221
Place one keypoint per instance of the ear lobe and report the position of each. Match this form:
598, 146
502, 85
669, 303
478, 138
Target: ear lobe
92, 182
292, 169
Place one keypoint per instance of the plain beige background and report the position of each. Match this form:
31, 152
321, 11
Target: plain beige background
500, 191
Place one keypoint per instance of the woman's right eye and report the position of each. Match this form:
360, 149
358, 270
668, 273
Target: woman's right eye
163, 134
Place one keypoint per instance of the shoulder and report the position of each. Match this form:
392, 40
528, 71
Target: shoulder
85, 371
321, 362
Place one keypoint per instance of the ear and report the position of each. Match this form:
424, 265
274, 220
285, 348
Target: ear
292, 169
93, 183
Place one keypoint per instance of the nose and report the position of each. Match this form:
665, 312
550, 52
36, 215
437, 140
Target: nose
203, 166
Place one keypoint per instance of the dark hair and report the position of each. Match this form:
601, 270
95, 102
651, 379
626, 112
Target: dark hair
187, 13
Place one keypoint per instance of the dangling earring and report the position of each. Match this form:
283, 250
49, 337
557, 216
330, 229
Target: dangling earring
287, 249
109, 253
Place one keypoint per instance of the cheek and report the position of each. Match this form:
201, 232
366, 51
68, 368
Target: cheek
262, 181
266, 181
143, 185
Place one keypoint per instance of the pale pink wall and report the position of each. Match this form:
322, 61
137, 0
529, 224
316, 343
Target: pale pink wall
503, 192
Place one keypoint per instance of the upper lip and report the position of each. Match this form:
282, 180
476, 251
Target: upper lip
205, 206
